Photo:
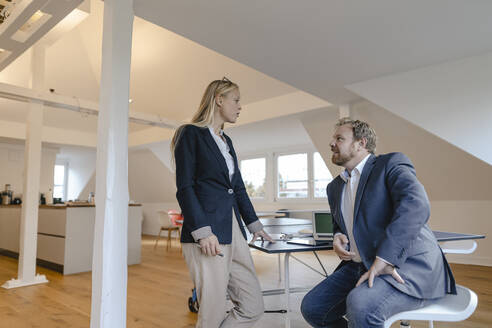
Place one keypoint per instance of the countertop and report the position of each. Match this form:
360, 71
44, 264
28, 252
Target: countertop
62, 206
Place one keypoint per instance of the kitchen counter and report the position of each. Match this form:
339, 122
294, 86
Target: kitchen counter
61, 206
65, 235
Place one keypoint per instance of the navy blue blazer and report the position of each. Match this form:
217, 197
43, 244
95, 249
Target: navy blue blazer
204, 192
390, 221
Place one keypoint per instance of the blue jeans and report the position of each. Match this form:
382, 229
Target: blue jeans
336, 296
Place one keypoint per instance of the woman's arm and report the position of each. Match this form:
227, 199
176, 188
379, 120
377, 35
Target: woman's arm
185, 157
246, 208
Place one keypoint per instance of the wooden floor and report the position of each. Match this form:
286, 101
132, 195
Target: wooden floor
159, 287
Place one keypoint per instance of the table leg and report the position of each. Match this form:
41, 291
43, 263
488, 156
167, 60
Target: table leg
279, 269
287, 289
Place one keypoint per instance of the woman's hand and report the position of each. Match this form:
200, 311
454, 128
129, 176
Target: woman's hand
263, 235
210, 245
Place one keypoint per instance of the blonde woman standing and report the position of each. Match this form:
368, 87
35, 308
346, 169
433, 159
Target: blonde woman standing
213, 199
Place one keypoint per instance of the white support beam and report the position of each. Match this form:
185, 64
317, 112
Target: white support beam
14, 92
109, 262
32, 172
27, 22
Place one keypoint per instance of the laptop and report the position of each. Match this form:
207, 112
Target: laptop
322, 230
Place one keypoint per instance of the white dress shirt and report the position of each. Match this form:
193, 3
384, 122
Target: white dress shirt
224, 149
348, 202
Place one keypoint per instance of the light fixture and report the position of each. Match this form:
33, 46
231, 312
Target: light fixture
31, 21
4, 54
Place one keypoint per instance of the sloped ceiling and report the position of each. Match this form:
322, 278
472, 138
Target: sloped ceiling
319, 46
452, 100
276, 49
168, 75
27, 22
323, 46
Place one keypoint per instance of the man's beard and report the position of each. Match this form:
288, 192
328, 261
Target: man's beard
340, 159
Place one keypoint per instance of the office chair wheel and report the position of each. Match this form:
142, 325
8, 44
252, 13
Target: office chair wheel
193, 302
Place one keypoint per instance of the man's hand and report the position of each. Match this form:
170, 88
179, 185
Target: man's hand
210, 245
340, 246
379, 267
261, 234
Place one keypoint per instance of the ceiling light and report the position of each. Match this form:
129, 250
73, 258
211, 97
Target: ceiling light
31, 21
4, 54
31, 26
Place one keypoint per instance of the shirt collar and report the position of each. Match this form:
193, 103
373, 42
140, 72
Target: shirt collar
211, 129
358, 169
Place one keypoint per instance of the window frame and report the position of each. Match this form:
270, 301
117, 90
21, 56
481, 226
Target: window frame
332, 177
65, 179
267, 191
271, 187
276, 181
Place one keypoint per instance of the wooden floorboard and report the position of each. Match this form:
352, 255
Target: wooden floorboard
159, 287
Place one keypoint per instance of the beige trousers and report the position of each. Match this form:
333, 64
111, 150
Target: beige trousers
215, 276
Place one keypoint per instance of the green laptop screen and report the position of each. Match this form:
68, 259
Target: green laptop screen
323, 222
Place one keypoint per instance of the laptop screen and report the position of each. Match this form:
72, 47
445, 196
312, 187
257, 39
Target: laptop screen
322, 223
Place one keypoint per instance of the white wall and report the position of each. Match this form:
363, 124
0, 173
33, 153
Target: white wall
451, 100
277, 133
162, 151
12, 167
151, 223
81, 166
149, 180
468, 217
150, 183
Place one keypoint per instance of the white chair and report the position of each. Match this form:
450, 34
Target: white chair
459, 246
166, 224
449, 308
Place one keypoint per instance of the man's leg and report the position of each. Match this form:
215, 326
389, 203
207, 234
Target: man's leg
324, 305
370, 307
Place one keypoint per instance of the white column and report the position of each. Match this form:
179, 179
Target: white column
32, 171
109, 263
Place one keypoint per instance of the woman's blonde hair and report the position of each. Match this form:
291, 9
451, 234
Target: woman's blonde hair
204, 116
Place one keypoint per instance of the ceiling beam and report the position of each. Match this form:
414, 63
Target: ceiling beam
27, 22
75, 104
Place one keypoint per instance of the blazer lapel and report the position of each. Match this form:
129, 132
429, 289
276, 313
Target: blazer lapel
362, 183
233, 154
339, 184
216, 151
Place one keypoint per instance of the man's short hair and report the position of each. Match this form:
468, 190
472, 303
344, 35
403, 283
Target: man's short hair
361, 130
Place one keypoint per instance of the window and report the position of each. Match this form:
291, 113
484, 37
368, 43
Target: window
59, 188
321, 174
253, 172
292, 176
299, 175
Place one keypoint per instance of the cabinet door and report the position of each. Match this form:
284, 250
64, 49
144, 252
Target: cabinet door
10, 228
51, 249
52, 221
